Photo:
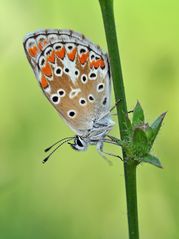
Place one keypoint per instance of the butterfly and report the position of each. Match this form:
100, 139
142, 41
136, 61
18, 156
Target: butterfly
74, 75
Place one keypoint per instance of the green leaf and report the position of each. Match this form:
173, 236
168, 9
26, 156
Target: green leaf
155, 128
129, 125
138, 115
140, 142
152, 160
149, 132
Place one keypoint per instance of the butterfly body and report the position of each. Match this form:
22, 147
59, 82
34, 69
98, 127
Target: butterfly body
74, 75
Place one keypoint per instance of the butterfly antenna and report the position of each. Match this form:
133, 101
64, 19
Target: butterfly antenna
67, 139
47, 149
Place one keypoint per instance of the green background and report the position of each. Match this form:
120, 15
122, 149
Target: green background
77, 195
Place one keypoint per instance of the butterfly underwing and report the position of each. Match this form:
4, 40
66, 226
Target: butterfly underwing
74, 75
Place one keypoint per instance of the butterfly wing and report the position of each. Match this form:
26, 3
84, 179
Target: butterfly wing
73, 73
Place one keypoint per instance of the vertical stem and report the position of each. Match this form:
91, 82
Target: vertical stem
131, 195
129, 166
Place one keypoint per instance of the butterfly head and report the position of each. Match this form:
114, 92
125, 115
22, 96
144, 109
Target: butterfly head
79, 144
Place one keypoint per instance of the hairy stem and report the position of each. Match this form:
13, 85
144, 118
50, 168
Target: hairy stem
129, 165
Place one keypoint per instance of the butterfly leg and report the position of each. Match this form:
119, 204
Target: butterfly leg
117, 102
130, 111
113, 107
100, 150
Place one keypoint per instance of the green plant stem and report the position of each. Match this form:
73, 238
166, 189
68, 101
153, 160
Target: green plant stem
129, 165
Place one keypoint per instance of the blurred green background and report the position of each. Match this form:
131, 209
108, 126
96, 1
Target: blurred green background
77, 195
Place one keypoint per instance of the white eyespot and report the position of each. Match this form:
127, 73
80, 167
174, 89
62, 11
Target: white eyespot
82, 50
42, 61
92, 56
97, 58
61, 92
84, 79
58, 71
100, 87
71, 113
74, 93
104, 101
66, 70
77, 72
92, 76
55, 99
82, 101
91, 98
48, 51
69, 47
57, 46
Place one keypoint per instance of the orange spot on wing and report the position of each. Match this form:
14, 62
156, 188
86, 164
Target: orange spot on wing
97, 63
83, 58
72, 54
101, 63
44, 82
33, 51
46, 70
60, 53
51, 57
92, 64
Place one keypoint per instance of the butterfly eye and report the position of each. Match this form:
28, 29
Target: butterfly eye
100, 87
42, 61
79, 143
71, 113
55, 99
91, 98
58, 71
92, 76
61, 93
82, 101
84, 79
